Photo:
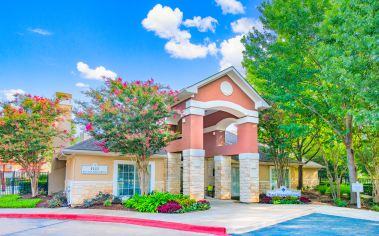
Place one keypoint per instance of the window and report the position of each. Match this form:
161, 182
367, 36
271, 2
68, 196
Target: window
127, 181
274, 178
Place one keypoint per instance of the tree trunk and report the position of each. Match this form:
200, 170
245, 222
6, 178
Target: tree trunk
34, 185
300, 179
375, 189
143, 175
350, 156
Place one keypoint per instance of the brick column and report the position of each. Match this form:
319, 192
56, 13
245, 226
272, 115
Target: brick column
249, 177
193, 173
173, 172
223, 177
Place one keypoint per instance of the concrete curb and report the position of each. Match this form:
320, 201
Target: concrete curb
125, 220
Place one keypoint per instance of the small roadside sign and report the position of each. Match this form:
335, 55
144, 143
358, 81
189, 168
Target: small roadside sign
357, 188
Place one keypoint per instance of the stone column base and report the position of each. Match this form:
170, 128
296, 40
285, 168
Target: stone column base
193, 173
223, 177
249, 177
173, 172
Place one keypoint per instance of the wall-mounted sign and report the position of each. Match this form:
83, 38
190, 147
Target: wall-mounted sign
94, 169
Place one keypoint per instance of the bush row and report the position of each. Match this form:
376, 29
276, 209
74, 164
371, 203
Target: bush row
285, 200
165, 203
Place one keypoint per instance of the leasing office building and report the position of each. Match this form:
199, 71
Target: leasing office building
217, 146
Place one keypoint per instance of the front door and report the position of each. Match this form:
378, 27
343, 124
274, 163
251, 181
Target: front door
127, 180
235, 181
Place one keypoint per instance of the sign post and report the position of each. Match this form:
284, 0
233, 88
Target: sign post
357, 188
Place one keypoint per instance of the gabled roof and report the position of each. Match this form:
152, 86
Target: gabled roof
237, 78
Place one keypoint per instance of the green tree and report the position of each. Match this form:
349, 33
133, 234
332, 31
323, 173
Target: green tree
368, 156
129, 118
320, 56
28, 128
276, 141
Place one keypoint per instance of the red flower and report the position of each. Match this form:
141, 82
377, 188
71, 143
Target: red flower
89, 127
105, 150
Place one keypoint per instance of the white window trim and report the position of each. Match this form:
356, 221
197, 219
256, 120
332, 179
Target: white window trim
289, 176
115, 174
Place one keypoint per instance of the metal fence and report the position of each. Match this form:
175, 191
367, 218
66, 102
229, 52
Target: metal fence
17, 182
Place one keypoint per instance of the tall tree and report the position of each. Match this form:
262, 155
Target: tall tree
129, 118
28, 128
319, 56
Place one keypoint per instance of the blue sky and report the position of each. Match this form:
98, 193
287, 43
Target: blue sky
49, 46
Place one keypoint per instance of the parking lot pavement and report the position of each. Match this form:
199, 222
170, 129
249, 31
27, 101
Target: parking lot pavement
31, 227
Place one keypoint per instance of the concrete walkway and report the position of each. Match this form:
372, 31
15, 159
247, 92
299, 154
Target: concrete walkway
235, 217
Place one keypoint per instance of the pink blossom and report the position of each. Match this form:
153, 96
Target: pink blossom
89, 127
105, 150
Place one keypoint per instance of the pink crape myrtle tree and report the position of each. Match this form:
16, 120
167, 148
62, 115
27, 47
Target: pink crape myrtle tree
129, 118
28, 129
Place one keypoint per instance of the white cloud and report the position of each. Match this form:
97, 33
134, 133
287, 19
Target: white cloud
10, 93
187, 50
165, 23
81, 85
230, 6
245, 25
99, 73
40, 31
202, 24
231, 53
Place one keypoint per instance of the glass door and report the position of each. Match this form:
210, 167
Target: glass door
127, 180
235, 181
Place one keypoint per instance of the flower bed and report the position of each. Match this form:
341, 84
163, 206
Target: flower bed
15, 201
285, 200
165, 203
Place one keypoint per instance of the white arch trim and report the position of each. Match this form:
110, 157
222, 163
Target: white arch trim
226, 106
221, 125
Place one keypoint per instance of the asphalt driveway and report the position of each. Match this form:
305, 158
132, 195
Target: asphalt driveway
319, 224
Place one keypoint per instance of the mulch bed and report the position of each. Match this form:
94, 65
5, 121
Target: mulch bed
118, 207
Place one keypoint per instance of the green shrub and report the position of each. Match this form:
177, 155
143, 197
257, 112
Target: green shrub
322, 189
116, 200
88, 203
340, 203
108, 203
186, 202
15, 201
150, 203
25, 187
99, 199
345, 189
59, 200
375, 208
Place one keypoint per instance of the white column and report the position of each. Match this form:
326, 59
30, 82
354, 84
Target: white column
193, 173
223, 177
173, 172
249, 177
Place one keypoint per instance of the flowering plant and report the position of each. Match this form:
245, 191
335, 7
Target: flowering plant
169, 207
129, 118
28, 129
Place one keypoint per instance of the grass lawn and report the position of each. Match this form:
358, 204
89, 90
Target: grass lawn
15, 201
